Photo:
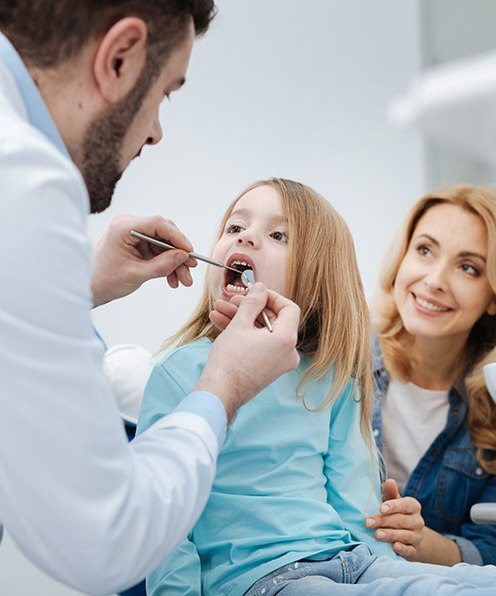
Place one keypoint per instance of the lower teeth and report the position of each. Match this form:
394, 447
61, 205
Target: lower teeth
233, 288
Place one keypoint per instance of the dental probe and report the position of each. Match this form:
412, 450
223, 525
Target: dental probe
191, 254
247, 276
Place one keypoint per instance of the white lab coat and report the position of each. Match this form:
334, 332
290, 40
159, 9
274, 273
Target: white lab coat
87, 507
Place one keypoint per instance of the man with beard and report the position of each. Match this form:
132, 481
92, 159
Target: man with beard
80, 87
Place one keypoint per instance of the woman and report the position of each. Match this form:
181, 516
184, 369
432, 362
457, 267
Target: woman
434, 420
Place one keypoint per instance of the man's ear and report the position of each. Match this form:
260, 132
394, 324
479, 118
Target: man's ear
120, 57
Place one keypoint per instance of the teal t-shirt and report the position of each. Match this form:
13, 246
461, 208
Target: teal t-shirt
291, 483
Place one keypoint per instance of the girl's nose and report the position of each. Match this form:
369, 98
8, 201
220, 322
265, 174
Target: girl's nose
246, 238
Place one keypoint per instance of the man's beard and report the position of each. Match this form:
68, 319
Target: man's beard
103, 139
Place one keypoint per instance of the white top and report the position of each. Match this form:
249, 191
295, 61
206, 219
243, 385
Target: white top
87, 507
412, 417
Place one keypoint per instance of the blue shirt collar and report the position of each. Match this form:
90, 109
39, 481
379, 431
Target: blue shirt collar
38, 113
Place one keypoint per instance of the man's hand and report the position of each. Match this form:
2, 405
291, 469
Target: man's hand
122, 263
246, 357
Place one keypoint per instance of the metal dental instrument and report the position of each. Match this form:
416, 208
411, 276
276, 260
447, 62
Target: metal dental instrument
195, 255
248, 278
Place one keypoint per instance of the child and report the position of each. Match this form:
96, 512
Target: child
297, 473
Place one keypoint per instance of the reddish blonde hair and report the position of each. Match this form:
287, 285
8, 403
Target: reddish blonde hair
324, 280
481, 344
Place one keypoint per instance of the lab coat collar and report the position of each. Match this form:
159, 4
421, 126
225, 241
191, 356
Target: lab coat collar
37, 111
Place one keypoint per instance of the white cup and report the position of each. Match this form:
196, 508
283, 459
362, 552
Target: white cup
490, 378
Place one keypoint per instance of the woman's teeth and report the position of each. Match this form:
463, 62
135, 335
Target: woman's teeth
430, 306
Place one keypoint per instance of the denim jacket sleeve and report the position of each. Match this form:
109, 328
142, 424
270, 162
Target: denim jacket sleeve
477, 542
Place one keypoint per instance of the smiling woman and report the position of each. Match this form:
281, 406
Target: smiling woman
434, 419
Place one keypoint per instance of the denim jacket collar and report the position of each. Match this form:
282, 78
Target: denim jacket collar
457, 398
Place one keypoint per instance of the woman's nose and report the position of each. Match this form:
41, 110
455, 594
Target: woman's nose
436, 278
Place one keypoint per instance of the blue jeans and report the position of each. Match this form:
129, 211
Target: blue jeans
359, 572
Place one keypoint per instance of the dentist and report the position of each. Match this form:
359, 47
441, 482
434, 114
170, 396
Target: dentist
80, 87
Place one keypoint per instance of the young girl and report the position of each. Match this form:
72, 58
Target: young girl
296, 474
434, 418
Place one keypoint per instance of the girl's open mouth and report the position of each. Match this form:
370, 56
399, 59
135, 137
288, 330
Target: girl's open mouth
232, 280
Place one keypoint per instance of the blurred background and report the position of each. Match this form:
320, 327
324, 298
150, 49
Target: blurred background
305, 91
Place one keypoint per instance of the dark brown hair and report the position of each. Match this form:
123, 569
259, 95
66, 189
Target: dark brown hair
49, 32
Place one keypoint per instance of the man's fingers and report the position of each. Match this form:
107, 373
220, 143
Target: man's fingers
252, 304
167, 229
162, 265
222, 314
219, 320
229, 309
183, 275
159, 227
287, 312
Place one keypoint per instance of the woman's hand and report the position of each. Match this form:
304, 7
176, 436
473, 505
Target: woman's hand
400, 521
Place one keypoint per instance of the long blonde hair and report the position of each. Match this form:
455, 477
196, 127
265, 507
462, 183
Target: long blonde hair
480, 348
324, 280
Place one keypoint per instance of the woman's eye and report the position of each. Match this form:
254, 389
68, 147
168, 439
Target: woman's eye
280, 236
233, 229
470, 269
424, 251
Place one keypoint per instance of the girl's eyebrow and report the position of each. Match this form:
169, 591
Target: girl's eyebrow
463, 253
275, 219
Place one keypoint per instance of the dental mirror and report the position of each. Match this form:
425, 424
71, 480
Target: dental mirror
248, 279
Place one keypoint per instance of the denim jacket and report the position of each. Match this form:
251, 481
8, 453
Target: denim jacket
447, 480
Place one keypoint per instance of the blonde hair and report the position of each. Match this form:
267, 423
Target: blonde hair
324, 280
480, 348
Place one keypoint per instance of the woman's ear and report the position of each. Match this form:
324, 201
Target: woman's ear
120, 58
491, 309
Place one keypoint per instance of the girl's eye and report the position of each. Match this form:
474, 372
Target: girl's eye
233, 229
280, 236
470, 269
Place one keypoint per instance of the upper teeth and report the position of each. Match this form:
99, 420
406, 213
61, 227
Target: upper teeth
429, 305
242, 263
